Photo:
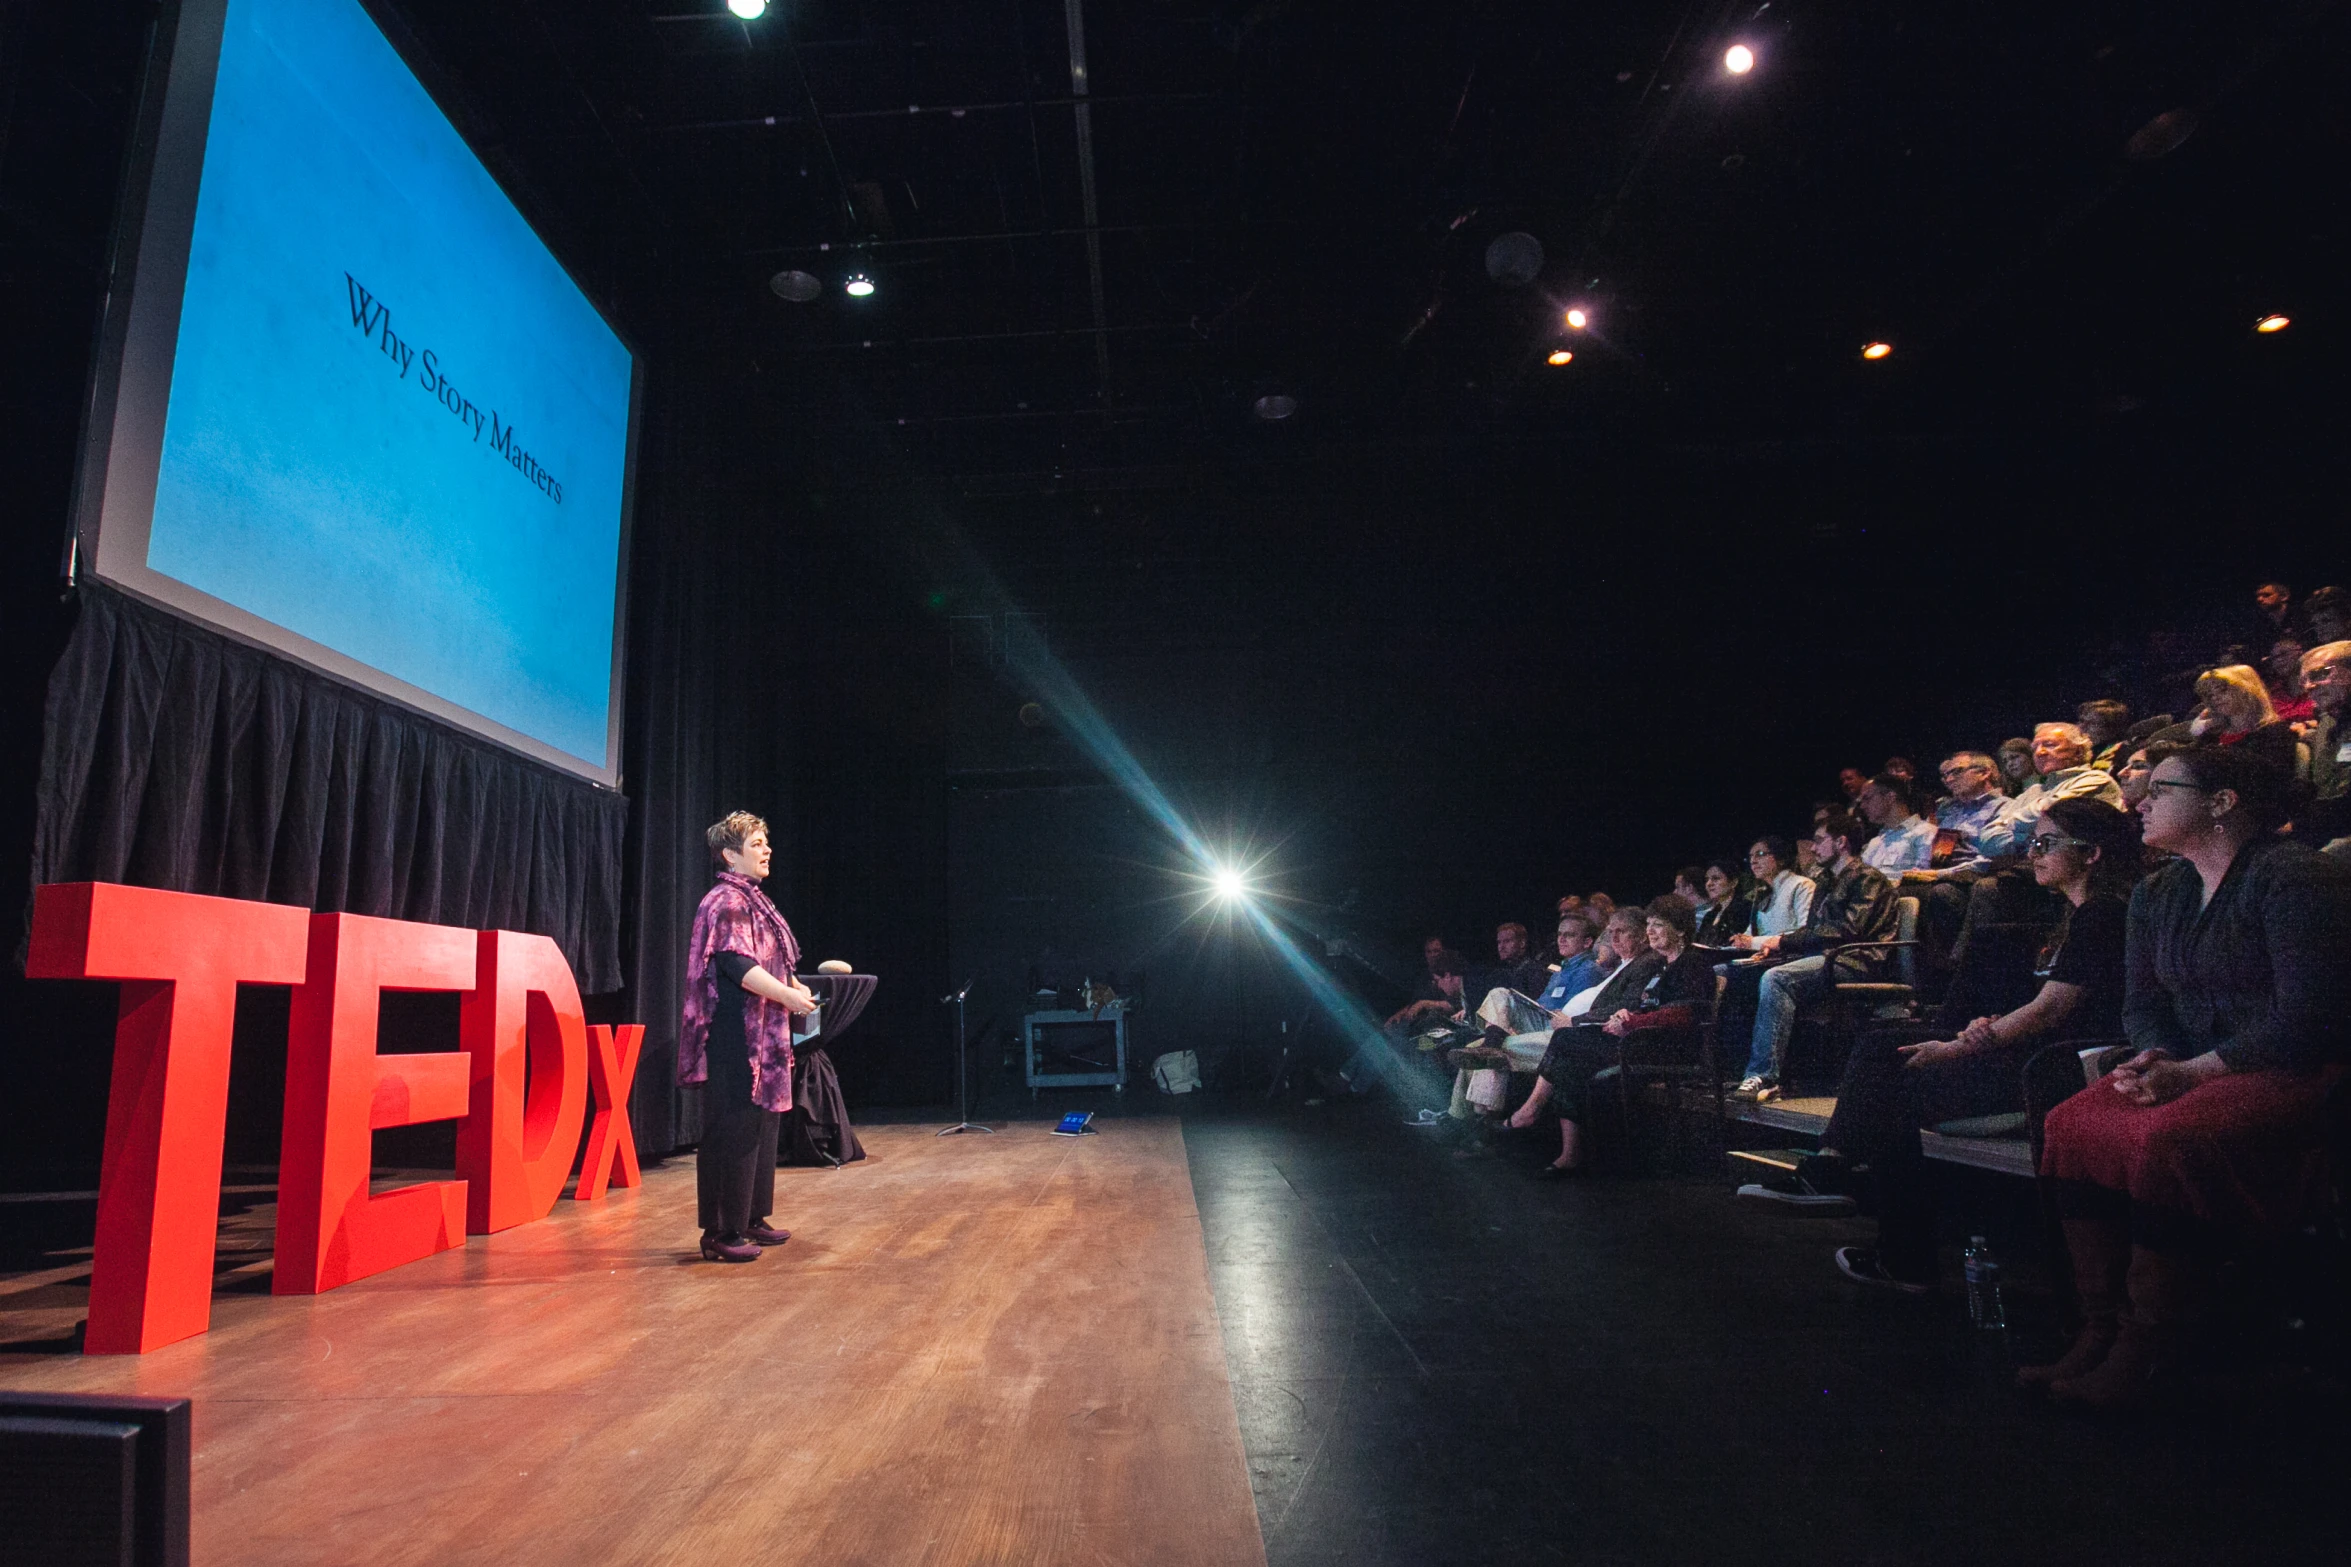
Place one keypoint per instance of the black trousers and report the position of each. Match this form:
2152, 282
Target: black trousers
735, 1166
1883, 1104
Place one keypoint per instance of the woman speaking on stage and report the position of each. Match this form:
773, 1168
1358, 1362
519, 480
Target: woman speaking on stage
741, 997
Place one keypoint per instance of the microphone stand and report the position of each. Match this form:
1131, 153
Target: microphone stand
962, 1068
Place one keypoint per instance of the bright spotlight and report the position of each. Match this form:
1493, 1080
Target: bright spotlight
2273, 323
1876, 350
857, 286
1739, 60
1577, 319
1231, 886
748, 10
1559, 356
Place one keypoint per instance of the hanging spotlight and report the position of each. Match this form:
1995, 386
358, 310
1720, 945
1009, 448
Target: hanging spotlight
1230, 885
1559, 356
2273, 323
1577, 319
857, 285
1738, 60
748, 10
1876, 350
1514, 259
1275, 406
797, 286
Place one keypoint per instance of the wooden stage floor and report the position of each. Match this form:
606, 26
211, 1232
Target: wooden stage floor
974, 1349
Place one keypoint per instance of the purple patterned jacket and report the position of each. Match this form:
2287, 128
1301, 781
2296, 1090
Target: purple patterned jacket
736, 916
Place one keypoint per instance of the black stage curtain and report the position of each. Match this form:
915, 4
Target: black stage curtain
176, 757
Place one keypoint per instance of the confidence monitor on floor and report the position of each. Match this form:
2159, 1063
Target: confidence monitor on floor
88, 1478
348, 403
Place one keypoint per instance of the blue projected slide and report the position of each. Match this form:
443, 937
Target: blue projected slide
396, 427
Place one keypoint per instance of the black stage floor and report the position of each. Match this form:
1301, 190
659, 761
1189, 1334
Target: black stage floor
1440, 1360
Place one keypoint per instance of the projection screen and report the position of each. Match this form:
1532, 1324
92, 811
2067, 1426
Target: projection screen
349, 405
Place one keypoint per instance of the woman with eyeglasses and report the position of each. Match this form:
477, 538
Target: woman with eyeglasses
2239, 1005
2086, 852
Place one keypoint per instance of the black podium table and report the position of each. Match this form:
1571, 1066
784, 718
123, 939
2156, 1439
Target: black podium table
817, 1131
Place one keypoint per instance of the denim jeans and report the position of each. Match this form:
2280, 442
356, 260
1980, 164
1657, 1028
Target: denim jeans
1784, 991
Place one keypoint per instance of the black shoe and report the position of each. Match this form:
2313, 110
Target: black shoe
1794, 1194
1865, 1267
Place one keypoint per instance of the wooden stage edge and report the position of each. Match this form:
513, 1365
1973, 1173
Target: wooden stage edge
974, 1349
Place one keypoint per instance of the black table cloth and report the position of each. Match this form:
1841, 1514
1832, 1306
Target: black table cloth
817, 1130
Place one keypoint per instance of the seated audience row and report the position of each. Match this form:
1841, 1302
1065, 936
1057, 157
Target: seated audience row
2168, 879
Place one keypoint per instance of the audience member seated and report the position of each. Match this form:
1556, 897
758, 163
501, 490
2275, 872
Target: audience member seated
2106, 722
2326, 615
1973, 780
1432, 1000
1658, 999
2061, 761
1515, 970
2326, 677
2281, 672
2087, 852
1689, 885
2016, 764
1856, 905
1600, 906
1905, 841
1722, 913
2269, 617
1580, 968
1783, 895
2131, 775
2237, 714
1852, 780
2239, 1006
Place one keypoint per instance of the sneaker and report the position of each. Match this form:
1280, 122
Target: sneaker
1428, 1118
1756, 1089
1862, 1265
1794, 1194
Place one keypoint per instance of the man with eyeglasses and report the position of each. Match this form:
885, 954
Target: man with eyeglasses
1974, 798
2326, 680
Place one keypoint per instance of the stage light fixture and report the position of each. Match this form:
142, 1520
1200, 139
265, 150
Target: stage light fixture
1738, 60
1577, 319
1231, 886
1275, 406
1559, 356
1876, 350
796, 286
748, 10
2273, 323
857, 285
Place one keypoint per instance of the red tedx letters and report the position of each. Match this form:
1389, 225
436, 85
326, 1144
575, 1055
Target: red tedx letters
180, 958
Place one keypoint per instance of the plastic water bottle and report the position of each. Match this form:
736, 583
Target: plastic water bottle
1984, 1308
